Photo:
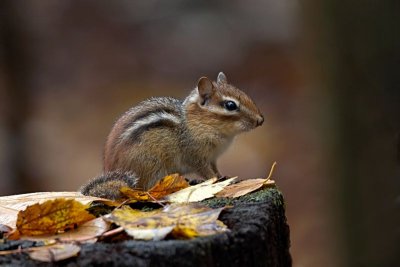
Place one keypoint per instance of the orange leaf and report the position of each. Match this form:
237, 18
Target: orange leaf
168, 185
52, 216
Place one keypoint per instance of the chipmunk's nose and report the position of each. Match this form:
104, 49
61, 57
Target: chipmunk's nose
260, 120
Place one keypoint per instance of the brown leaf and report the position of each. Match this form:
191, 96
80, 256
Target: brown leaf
244, 187
169, 184
87, 232
199, 192
247, 186
55, 253
52, 216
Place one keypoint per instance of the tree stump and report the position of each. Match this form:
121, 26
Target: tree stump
259, 236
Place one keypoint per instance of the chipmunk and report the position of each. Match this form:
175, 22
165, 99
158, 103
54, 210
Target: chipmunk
163, 135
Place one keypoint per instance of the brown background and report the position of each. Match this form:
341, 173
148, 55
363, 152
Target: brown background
324, 73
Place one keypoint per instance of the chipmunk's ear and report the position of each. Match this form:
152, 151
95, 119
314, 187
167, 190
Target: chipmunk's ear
221, 78
205, 88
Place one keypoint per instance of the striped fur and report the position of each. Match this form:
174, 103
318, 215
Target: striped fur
152, 120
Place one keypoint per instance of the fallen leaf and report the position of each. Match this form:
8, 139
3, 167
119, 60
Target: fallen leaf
179, 220
169, 184
128, 218
87, 233
11, 205
55, 253
52, 216
246, 186
203, 223
13, 235
199, 192
155, 234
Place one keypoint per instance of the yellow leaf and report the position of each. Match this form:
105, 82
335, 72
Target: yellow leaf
130, 218
202, 223
11, 205
169, 184
55, 253
52, 216
181, 220
126, 215
199, 192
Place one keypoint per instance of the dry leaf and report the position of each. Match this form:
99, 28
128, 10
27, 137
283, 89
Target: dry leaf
181, 220
128, 218
13, 235
247, 186
199, 192
199, 224
52, 216
8, 216
55, 253
169, 184
155, 234
11, 205
244, 187
87, 232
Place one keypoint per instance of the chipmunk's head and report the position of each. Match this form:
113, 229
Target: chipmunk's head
222, 107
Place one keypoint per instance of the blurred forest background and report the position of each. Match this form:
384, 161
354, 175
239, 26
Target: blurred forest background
326, 75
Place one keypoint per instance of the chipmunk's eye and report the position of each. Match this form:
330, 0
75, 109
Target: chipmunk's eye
230, 105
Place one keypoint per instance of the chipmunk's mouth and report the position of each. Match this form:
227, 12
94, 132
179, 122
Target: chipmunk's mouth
253, 122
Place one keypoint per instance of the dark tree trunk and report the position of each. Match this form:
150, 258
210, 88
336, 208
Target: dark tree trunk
15, 105
358, 51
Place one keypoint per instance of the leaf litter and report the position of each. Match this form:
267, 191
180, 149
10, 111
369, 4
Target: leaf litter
179, 220
62, 221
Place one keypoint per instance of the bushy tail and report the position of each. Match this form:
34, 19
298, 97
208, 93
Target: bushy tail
107, 185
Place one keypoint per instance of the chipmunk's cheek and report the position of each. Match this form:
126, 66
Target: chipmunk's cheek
242, 126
